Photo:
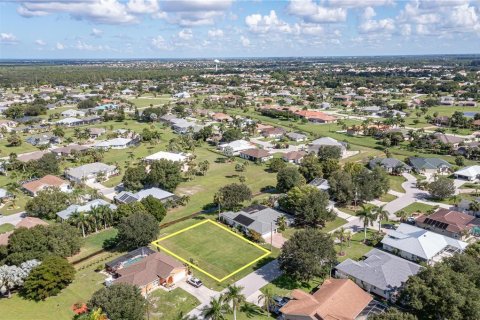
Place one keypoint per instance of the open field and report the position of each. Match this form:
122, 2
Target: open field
211, 248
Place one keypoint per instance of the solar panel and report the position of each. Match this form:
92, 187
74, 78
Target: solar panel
436, 224
244, 220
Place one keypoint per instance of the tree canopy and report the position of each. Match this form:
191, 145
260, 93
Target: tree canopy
47, 203
288, 178
231, 196
137, 230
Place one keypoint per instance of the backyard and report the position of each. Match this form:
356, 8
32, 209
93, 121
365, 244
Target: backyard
213, 249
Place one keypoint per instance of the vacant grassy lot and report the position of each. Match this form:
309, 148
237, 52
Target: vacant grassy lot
212, 249
168, 305
94, 242
417, 207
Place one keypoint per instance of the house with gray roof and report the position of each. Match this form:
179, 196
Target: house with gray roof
157, 193
315, 145
87, 207
381, 273
429, 165
259, 218
90, 172
420, 245
391, 165
295, 136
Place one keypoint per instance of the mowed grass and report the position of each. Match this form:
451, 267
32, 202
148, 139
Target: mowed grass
417, 207
213, 249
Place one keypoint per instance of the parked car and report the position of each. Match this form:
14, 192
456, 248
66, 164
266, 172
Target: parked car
197, 283
279, 303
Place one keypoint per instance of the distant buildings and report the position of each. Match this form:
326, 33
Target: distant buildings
90, 172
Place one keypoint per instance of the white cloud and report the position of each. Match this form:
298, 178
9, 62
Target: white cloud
40, 43
80, 45
189, 13
185, 34
270, 23
143, 6
215, 33
359, 3
98, 11
160, 43
369, 25
245, 41
59, 46
311, 12
8, 38
97, 33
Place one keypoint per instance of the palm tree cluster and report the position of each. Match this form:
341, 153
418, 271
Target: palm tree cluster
370, 214
100, 217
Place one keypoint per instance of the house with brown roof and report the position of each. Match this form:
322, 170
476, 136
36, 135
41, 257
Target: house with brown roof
294, 156
28, 222
259, 155
70, 149
273, 132
450, 223
221, 117
336, 299
35, 155
154, 270
316, 116
48, 181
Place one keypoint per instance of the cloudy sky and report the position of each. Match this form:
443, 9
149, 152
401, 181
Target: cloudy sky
218, 28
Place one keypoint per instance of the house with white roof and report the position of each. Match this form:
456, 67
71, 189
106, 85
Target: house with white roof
170, 156
315, 145
416, 244
468, 173
157, 193
237, 146
67, 213
116, 143
381, 273
72, 113
89, 172
70, 122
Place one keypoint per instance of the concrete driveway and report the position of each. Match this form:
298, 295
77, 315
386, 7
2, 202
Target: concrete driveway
412, 194
203, 294
12, 219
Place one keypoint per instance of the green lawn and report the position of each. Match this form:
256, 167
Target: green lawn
20, 202
167, 305
59, 307
396, 183
417, 207
212, 249
94, 242
356, 248
387, 197
283, 285
6, 227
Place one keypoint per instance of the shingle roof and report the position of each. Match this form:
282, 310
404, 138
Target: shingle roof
387, 163
428, 163
65, 214
382, 270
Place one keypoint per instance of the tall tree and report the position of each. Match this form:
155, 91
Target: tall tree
232, 196
309, 253
137, 230
288, 178
217, 309
367, 216
235, 297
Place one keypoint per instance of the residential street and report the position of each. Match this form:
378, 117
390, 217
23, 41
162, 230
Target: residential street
411, 195
251, 284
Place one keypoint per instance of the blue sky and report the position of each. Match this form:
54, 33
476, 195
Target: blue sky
227, 28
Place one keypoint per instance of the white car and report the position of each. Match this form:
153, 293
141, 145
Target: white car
197, 283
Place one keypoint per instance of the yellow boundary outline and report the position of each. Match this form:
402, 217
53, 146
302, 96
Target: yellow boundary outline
156, 244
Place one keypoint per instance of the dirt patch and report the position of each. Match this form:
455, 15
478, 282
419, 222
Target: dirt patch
189, 191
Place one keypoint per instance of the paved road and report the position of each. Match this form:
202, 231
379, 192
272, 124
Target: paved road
412, 194
12, 219
251, 284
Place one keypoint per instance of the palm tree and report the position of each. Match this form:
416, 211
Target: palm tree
474, 206
282, 223
341, 235
217, 309
402, 214
367, 215
80, 220
235, 296
455, 199
266, 298
381, 214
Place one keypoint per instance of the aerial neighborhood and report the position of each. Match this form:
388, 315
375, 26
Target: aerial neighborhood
256, 189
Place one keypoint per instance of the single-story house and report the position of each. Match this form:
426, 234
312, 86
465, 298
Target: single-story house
320, 184
259, 155
68, 150
96, 132
236, 146
48, 181
90, 172
30, 222
274, 132
416, 244
152, 271
35, 155
381, 273
315, 145
70, 122
170, 156
294, 156
128, 258
335, 299
67, 213
297, 137
72, 113
221, 117
316, 116
448, 139
255, 217
43, 139
468, 173
157, 193
116, 143
429, 165
391, 165
450, 223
